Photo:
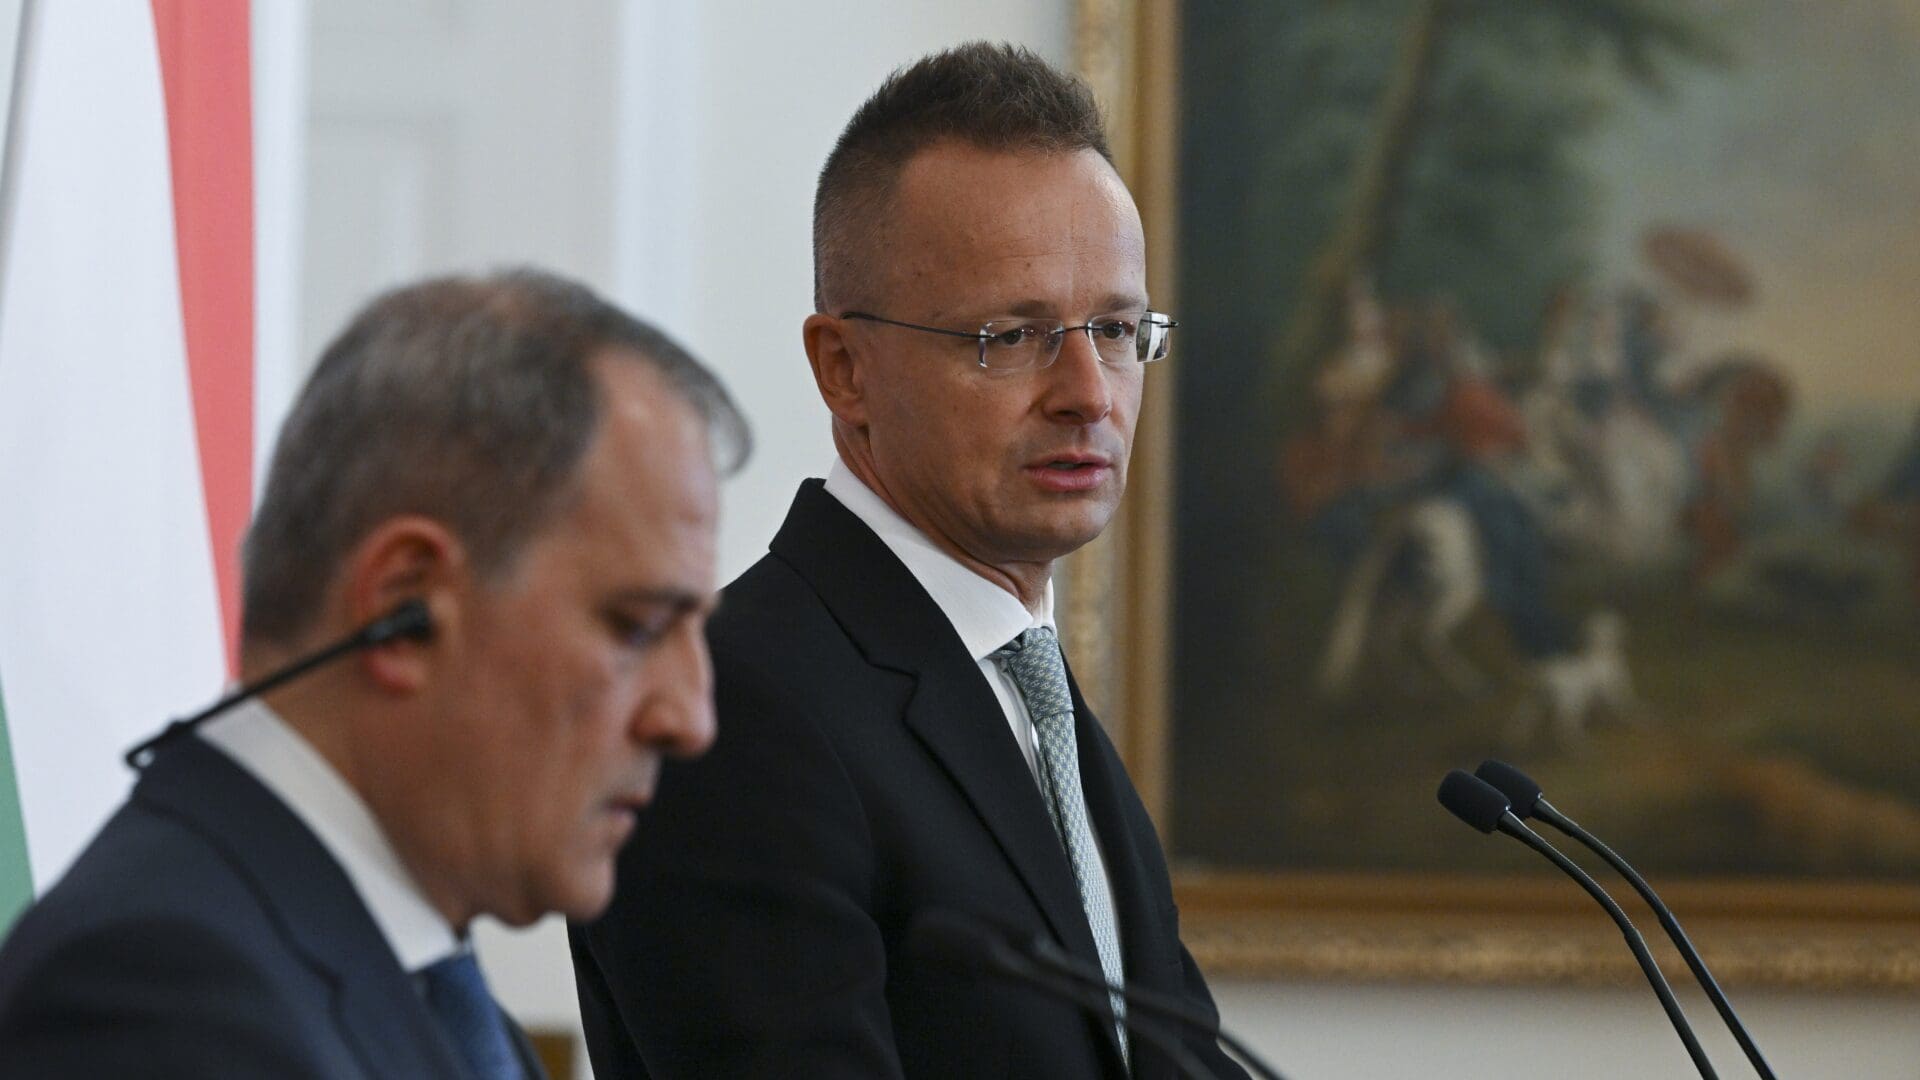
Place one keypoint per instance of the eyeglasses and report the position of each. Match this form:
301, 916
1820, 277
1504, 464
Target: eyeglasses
1136, 337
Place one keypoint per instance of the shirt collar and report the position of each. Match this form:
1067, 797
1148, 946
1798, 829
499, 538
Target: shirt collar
985, 615
262, 743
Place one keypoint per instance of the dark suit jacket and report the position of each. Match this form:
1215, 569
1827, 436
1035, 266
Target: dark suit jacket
205, 932
864, 772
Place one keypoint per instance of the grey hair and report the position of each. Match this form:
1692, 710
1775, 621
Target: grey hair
994, 97
469, 400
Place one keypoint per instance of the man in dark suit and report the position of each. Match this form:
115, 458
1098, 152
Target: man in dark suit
899, 730
288, 890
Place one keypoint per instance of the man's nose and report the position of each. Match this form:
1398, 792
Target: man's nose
676, 714
1079, 384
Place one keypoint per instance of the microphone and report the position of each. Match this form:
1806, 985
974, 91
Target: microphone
410, 621
964, 943
1482, 806
1524, 794
961, 944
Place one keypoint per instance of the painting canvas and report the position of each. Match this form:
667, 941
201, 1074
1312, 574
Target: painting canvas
1548, 388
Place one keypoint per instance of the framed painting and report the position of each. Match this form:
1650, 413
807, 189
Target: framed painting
1547, 389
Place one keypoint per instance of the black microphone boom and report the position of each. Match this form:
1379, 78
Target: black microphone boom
410, 621
1059, 960
1528, 802
969, 944
1482, 806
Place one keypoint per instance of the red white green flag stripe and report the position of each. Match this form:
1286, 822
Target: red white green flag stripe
127, 358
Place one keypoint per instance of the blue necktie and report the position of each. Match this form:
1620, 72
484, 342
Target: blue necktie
1033, 660
457, 994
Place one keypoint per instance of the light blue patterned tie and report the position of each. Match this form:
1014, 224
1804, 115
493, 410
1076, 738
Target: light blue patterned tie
457, 994
1033, 661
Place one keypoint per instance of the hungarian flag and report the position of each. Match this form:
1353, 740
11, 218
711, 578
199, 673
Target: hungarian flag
128, 347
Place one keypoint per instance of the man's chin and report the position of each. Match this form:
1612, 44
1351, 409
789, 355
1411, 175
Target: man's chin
1063, 534
592, 902
582, 899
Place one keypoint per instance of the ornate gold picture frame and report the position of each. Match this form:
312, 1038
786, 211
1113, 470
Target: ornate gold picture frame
1498, 925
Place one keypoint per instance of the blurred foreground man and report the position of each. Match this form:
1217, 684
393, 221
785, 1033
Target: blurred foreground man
288, 890
900, 730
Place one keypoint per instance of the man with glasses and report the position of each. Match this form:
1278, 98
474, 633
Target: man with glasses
900, 732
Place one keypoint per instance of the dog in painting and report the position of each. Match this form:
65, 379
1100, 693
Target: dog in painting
1572, 691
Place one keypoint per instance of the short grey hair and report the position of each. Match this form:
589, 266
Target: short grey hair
994, 97
469, 400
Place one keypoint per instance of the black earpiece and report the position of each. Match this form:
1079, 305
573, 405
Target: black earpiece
410, 621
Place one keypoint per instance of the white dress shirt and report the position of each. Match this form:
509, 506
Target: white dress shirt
985, 615
262, 744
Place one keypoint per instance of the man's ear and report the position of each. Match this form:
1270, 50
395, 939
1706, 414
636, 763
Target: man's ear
409, 557
837, 371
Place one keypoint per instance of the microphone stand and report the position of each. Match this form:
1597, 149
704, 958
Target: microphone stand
969, 944
1152, 1002
1487, 808
1513, 827
1545, 812
1096, 1002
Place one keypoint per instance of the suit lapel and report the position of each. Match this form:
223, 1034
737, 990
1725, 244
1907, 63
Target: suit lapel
961, 724
1106, 788
1104, 782
375, 1004
953, 711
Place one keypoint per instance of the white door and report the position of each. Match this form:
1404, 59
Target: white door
454, 135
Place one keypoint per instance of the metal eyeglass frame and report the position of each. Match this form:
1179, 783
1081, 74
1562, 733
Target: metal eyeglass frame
1148, 348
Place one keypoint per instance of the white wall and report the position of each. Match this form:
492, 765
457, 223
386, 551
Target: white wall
454, 135
1331, 1031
